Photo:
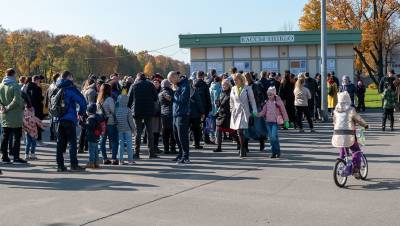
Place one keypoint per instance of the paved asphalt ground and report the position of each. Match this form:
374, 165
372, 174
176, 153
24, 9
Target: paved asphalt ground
217, 189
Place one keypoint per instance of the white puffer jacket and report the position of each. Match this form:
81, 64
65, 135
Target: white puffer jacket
345, 119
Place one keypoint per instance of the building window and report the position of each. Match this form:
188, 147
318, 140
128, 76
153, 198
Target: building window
270, 66
218, 66
197, 66
330, 65
242, 65
298, 66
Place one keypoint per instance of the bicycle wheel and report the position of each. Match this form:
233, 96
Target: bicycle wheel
364, 167
338, 172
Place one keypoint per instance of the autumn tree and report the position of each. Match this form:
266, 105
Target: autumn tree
149, 69
376, 19
40, 52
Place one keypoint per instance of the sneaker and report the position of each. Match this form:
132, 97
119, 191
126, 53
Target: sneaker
176, 159
131, 162
183, 161
273, 156
115, 162
77, 168
217, 150
61, 169
107, 162
20, 161
121, 163
27, 157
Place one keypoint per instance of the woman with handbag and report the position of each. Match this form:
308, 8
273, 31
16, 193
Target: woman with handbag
275, 114
243, 109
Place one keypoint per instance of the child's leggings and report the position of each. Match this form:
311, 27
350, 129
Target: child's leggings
356, 154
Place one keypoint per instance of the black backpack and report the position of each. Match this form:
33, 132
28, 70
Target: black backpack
58, 107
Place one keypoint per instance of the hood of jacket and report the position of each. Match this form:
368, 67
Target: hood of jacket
215, 86
9, 80
64, 83
123, 100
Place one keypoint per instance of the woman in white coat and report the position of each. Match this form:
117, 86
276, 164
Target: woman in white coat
243, 106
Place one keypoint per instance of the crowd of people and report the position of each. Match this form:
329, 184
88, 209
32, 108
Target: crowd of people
128, 111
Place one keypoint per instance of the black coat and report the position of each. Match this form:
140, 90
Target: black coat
196, 105
166, 105
204, 93
143, 98
223, 119
35, 95
312, 85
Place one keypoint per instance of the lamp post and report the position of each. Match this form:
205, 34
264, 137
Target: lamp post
324, 94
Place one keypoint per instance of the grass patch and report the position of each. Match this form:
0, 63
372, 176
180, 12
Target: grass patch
373, 99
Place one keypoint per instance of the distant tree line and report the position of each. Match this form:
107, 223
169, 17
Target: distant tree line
33, 52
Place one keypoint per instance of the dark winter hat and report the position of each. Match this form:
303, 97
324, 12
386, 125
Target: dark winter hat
92, 108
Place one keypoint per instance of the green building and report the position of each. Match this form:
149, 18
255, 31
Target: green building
298, 51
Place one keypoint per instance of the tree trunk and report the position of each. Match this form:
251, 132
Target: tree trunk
366, 65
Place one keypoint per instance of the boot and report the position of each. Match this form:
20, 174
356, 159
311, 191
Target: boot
262, 144
166, 149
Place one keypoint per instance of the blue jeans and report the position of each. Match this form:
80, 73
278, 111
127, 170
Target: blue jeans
125, 138
181, 133
30, 144
93, 152
112, 134
273, 138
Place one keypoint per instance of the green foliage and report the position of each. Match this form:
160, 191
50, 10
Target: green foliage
40, 52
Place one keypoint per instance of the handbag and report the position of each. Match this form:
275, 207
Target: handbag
251, 118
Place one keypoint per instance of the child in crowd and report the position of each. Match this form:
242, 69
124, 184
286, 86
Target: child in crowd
275, 114
126, 127
345, 118
93, 132
30, 125
389, 103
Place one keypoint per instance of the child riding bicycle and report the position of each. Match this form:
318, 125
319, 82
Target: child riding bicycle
345, 119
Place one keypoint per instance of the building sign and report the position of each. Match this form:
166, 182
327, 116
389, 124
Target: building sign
266, 39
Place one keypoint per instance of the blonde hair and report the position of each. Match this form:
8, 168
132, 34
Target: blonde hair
240, 77
227, 82
299, 83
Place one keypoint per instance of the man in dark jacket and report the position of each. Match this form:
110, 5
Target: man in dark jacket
181, 111
312, 86
142, 100
35, 94
389, 79
66, 131
196, 114
203, 90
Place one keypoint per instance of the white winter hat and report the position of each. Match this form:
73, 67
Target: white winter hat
344, 97
271, 90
